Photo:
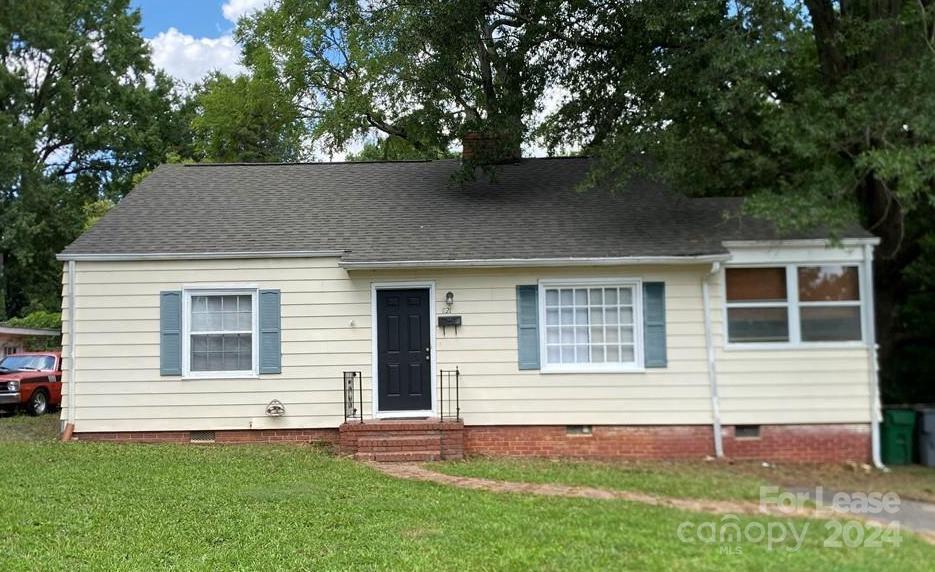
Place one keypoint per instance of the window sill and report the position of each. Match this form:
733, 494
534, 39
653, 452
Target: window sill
553, 370
785, 346
221, 375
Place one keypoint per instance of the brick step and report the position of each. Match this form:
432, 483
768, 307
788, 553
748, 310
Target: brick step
397, 441
399, 456
386, 434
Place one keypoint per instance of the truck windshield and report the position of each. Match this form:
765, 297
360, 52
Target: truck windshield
27, 363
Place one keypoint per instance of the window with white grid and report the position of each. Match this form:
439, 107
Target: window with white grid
220, 332
591, 326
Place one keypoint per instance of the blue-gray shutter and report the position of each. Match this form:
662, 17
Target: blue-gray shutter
270, 332
527, 321
654, 324
170, 333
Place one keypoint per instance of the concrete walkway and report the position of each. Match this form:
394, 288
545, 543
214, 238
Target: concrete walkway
916, 516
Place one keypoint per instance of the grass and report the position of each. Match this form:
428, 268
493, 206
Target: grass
22, 427
676, 479
910, 482
143, 507
704, 480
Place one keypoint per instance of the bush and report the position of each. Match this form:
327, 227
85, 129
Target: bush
42, 320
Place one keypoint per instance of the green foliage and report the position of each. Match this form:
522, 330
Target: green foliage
424, 72
94, 211
395, 149
81, 111
247, 118
40, 320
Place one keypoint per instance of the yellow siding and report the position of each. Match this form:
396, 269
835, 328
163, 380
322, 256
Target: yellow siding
326, 329
808, 385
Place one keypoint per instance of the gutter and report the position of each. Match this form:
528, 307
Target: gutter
712, 362
514, 262
72, 380
802, 242
121, 257
874, 364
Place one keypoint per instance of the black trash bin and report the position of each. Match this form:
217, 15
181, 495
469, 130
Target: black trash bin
927, 437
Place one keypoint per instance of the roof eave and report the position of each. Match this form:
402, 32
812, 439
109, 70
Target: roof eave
139, 256
514, 262
803, 242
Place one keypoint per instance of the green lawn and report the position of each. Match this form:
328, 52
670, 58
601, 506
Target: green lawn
145, 507
676, 479
698, 479
22, 427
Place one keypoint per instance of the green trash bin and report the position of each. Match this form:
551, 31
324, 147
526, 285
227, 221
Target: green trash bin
898, 431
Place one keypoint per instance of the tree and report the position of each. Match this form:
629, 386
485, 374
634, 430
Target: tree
420, 72
246, 119
392, 149
822, 113
81, 111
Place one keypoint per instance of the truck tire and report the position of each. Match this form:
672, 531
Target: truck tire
38, 403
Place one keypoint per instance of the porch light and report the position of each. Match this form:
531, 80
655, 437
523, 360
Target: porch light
449, 300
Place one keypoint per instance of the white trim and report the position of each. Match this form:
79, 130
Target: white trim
200, 255
72, 369
513, 262
29, 331
638, 365
374, 355
798, 242
792, 304
871, 337
220, 290
712, 360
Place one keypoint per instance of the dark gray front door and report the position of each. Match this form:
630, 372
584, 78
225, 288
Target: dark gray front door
403, 350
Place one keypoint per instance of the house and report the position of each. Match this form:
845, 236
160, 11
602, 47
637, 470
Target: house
18, 340
390, 309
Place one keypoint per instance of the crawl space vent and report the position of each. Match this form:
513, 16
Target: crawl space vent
747, 431
578, 430
202, 436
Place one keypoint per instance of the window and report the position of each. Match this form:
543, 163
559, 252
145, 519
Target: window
591, 326
829, 303
757, 305
793, 304
27, 363
221, 333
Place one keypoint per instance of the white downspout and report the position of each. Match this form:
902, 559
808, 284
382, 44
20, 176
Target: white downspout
70, 424
873, 361
712, 368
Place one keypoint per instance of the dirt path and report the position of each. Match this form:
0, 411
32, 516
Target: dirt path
418, 472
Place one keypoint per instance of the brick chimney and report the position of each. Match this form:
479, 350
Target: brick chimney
489, 148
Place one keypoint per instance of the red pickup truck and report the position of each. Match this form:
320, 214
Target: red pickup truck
32, 380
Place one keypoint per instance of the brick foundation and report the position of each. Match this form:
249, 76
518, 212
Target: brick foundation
830, 443
796, 443
326, 436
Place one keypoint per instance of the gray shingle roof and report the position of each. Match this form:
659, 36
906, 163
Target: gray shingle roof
410, 211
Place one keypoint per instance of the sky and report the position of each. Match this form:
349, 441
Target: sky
190, 38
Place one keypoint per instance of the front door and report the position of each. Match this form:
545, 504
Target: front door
403, 350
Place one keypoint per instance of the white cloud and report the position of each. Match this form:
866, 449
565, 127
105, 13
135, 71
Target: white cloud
235, 9
189, 58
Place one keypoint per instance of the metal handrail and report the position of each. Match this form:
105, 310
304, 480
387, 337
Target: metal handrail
352, 410
447, 376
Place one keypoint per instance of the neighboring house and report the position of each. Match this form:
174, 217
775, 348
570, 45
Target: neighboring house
226, 302
17, 340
